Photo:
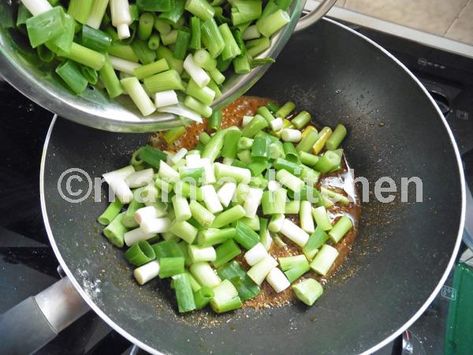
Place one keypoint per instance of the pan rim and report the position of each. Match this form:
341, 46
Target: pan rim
374, 348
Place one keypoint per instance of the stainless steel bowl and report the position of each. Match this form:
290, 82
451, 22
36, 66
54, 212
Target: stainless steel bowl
21, 68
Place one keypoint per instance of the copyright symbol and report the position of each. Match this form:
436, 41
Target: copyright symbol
74, 185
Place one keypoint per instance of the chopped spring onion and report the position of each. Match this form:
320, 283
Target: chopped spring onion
37, 7
294, 233
170, 266
291, 135
225, 298
305, 217
140, 253
256, 254
324, 259
45, 26
72, 76
146, 272
211, 199
277, 280
322, 138
115, 231
273, 202
229, 216
136, 235
208, 222
336, 138
202, 215
233, 272
340, 229
292, 207
200, 77
184, 295
226, 192
225, 252
140, 178
309, 137
184, 230
257, 124
315, 242
110, 213
321, 218
245, 236
253, 201
286, 109
276, 222
181, 208
239, 175
259, 271
198, 254
155, 225
129, 216
121, 17
294, 266
204, 274
213, 236
289, 180
308, 291
202, 297
301, 120
133, 88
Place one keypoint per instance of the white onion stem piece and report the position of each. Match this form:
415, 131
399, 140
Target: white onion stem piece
181, 153
226, 193
146, 272
37, 7
121, 17
294, 233
123, 65
165, 98
140, 178
167, 173
256, 254
305, 216
136, 235
291, 135
252, 202
197, 74
211, 199
145, 213
276, 124
259, 271
278, 280
155, 225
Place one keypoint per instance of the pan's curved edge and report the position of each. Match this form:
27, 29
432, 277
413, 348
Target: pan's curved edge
421, 310
462, 183
63, 264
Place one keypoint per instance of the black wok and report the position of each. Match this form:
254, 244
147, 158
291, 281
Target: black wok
401, 258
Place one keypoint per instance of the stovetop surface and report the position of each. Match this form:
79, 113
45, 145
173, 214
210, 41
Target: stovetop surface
28, 265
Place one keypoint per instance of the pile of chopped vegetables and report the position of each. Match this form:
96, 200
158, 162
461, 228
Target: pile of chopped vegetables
207, 218
167, 55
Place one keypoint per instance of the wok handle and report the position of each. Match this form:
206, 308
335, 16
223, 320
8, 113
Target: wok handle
315, 14
33, 323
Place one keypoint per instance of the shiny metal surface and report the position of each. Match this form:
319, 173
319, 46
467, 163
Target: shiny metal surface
20, 67
61, 304
315, 15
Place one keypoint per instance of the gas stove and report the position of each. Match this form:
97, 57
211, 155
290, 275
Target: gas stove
28, 264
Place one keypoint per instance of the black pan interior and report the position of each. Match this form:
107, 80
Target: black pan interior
403, 248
